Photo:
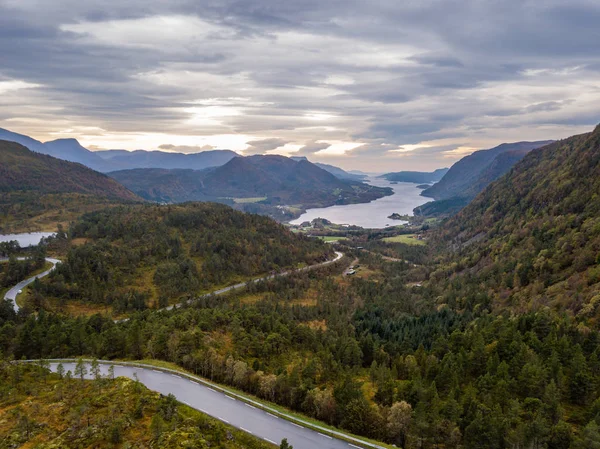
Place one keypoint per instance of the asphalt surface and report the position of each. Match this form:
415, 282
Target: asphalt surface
337, 257
225, 408
13, 292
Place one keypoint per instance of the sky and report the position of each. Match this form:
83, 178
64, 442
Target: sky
379, 85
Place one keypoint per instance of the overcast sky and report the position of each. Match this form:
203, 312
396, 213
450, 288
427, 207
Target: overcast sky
373, 85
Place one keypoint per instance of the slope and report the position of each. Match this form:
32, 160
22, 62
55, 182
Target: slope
257, 184
533, 236
467, 172
40, 187
71, 150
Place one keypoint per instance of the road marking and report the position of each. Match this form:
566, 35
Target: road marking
270, 441
175, 375
211, 389
326, 436
251, 406
224, 420
245, 430
357, 447
156, 371
187, 403
272, 415
294, 424
230, 398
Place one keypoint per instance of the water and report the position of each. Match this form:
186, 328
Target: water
29, 239
374, 214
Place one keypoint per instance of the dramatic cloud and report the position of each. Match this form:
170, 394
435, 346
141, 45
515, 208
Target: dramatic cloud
371, 86
263, 146
311, 148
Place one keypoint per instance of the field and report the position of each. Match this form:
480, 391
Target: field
330, 238
407, 239
249, 200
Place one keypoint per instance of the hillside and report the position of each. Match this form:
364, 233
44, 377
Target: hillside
471, 173
534, 235
132, 258
42, 410
336, 171
125, 160
36, 186
416, 177
255, 183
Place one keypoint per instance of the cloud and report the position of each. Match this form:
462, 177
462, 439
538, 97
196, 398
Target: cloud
264, 145
466, 73
188, 149
312, 148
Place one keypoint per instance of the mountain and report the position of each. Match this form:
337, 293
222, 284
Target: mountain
336, 171
38, 186
111, 160
470, 174
66, 149
124, 160
71, 150
266, 180
533, 236
416, 177
26, 141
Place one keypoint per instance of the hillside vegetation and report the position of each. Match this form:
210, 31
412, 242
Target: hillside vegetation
471, 175
46, 411
533, 237
39, 191
130, 258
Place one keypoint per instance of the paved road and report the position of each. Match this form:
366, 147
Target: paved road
225, 408
13, 292
337, 257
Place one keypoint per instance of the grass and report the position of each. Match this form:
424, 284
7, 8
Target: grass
407, 239
331, 238
249, 200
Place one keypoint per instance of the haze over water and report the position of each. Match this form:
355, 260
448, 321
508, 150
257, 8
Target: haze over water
374, 214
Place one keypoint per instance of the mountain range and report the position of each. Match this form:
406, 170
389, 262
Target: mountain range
269, 180
112, 160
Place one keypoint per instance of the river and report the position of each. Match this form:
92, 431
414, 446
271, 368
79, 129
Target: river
29, 239
374, 214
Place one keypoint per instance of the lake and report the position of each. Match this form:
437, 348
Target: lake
374, 214
29, 239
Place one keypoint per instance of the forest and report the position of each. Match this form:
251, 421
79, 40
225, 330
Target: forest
134, 257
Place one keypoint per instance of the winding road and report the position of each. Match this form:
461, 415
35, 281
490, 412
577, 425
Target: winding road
13, 292
206, 398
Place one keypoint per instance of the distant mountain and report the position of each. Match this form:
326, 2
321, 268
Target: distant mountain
111, 160
125, 160
71, 150
532, 237
26, 141
336, 171
244, 182
39, 191
416, 177
66, 149
471, 174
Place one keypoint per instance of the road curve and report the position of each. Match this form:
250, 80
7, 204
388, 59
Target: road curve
221, 291
13, 292
231, 411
